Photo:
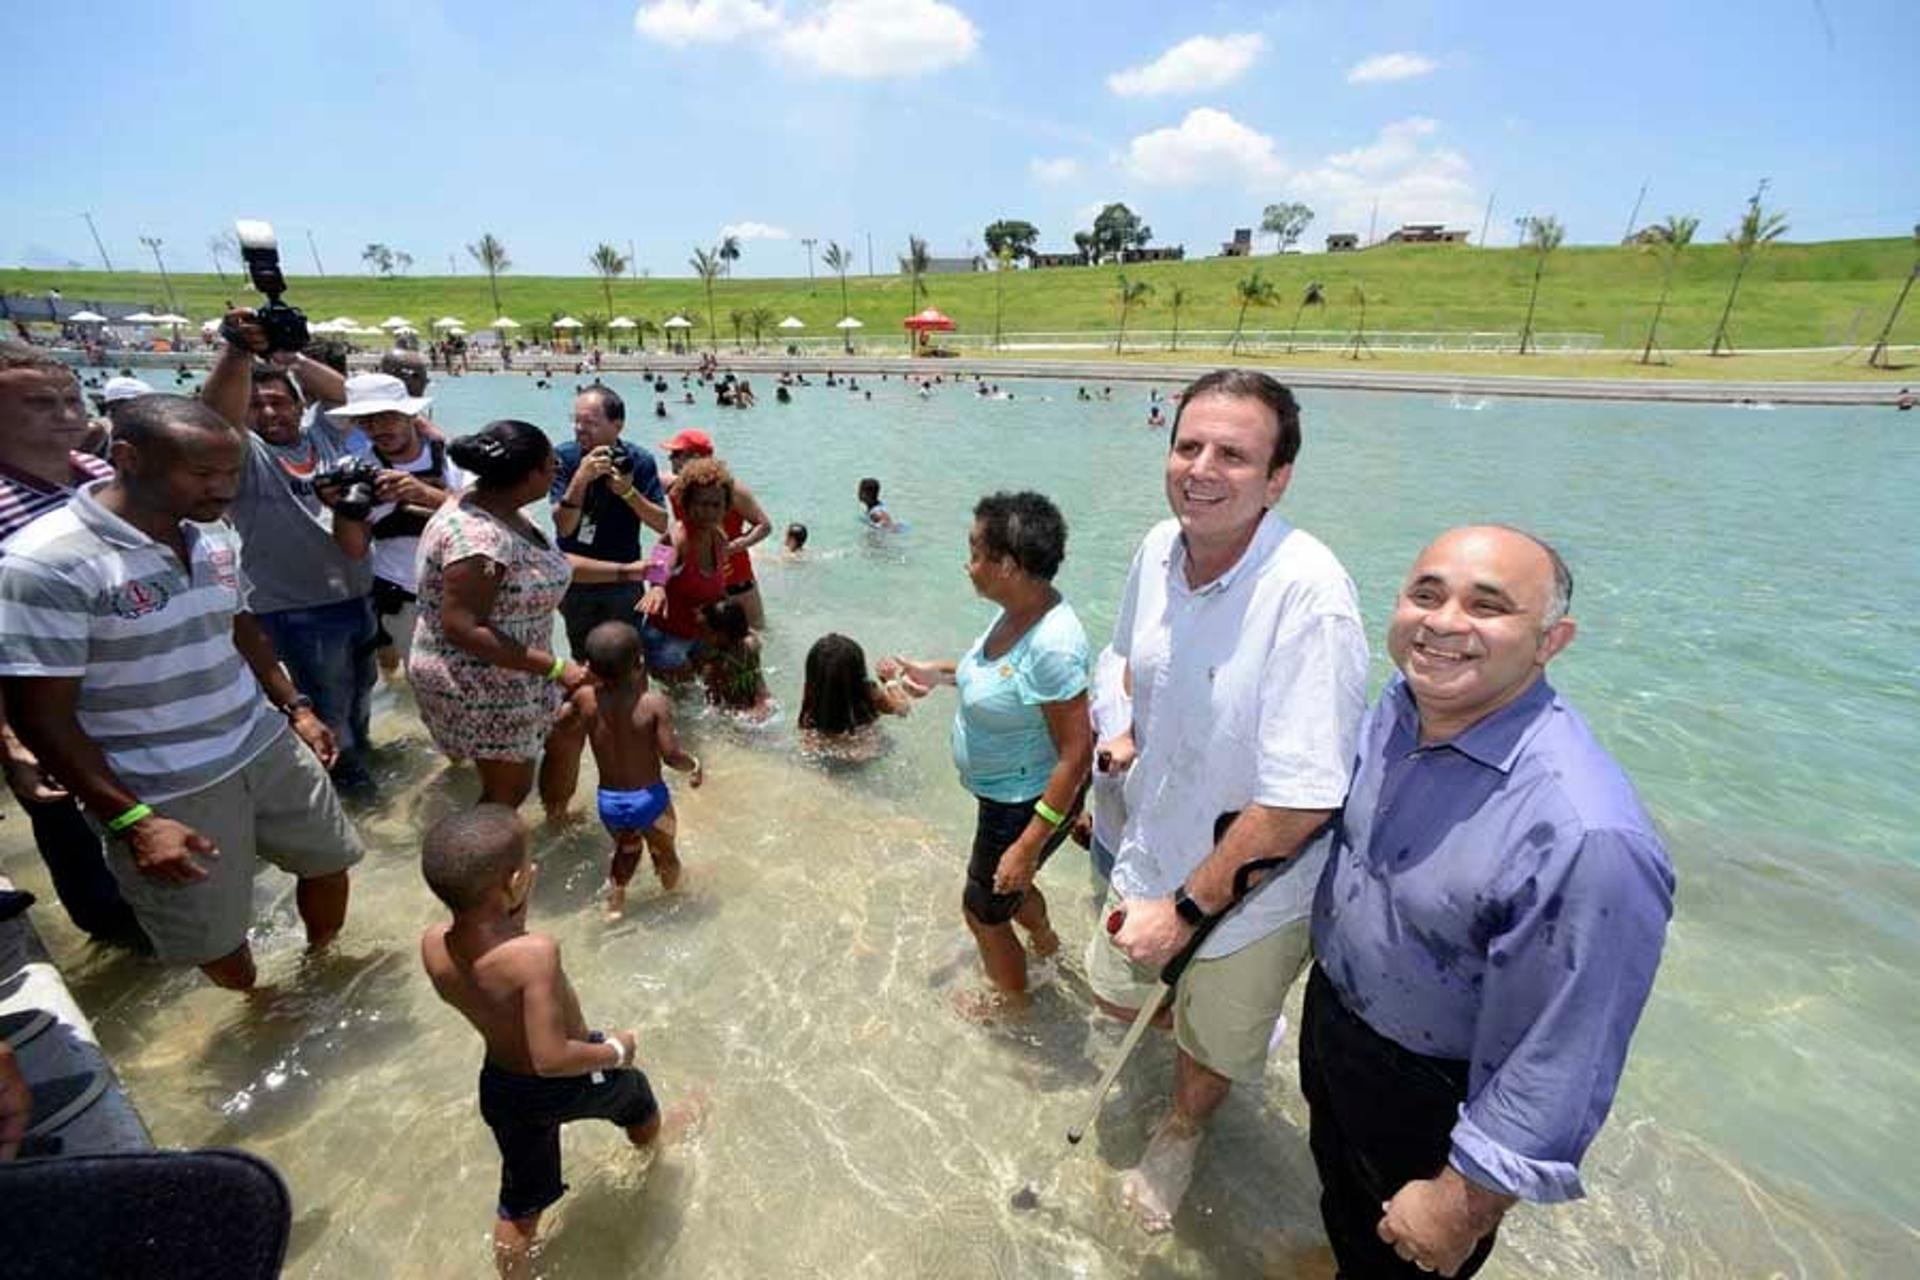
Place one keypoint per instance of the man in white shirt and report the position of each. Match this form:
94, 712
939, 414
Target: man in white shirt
1248, 666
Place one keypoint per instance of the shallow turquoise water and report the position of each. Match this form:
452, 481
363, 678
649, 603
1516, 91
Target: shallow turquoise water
1745, 586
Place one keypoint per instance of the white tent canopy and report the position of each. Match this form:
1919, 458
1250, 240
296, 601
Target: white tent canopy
567, 322
504, 322
86, 317
849, 323
793, 322
621, 322
140, 317
678, 322
396, 323
347, 321
446, 322
171, 318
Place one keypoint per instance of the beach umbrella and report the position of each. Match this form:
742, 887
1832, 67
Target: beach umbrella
677, 322
208, 326
446, 322
86, 317
621, 322
849, 323
504, 322
931, 318
344, 322
326, 326
793, 322
397, 330
567, 322
170, 318
140, 317
396, 323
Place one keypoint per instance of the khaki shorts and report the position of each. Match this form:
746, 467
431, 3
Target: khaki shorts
1225, 1008
278, 808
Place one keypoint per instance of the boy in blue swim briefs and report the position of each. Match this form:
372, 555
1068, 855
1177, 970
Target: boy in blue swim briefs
543, 1067
630, 727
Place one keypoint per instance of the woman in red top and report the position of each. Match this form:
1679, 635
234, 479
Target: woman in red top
746, 523
671, 611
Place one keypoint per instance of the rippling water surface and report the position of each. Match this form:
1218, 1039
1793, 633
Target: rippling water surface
1748, 647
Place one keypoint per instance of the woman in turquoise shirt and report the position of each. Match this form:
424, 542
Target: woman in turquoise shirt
1021, 736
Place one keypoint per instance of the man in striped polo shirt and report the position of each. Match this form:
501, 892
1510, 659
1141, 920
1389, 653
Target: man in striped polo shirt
43, 423
135, 671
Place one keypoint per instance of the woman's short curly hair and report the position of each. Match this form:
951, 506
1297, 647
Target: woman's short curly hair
706, 473
1025, 528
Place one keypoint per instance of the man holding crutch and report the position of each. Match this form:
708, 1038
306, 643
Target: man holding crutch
1248, 664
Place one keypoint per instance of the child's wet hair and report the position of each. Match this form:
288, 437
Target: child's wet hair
613, 650
835, 698
726, 618
469, 854
796, 535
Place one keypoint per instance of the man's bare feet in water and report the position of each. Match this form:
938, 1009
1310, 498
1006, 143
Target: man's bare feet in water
616, 900
1153, 1189
983, 1004
562, 816
668, 869
1043, 941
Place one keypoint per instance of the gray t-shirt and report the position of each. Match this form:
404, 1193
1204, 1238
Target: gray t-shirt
286, 532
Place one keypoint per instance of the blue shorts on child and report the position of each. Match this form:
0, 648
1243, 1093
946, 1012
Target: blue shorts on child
633, 810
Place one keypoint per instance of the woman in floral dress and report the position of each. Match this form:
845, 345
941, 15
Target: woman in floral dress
483, 668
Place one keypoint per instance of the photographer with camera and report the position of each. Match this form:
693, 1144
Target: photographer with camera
303, 517
604, 491
399, 484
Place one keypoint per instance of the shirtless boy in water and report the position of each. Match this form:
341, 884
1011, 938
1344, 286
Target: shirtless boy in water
631, 729
543, 1067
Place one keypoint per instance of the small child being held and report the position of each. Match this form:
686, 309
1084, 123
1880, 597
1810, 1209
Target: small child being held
840, 699
732, 671
630, 727
875, 511
543, 1067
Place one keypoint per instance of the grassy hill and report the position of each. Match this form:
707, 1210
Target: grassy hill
1794, 295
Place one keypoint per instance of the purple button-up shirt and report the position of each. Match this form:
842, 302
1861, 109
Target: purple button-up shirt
1500, 899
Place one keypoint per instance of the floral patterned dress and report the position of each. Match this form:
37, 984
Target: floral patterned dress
473, 708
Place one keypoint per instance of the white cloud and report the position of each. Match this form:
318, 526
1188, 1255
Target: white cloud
755, 231
1414, 180
1208, 146
857, 39
1383, 67
683, 22
1192, 66
1060, 169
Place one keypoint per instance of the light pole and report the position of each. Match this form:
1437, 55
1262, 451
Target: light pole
809, 241
154, 243
314, 249
96, 241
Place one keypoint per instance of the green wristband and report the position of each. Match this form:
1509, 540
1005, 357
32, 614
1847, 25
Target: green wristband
559, 666
130, 817
1048, 814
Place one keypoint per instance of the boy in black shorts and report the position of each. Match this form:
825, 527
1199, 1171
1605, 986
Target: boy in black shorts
543, 1067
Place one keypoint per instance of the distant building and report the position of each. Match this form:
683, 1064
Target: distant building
1653, 233
1426, 233
1241, 246
955, 266
1343, 242
1071, 259
1154, 253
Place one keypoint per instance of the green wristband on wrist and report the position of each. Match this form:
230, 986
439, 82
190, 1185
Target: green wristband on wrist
559, 666
131, 816
1048, 814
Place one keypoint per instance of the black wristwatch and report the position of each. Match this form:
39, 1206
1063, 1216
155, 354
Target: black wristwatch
297, 703
1187, 909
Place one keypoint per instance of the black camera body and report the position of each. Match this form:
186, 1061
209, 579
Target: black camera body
621, 456
355, 478
285, 326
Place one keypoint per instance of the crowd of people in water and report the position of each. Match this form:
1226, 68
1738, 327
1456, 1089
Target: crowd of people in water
199, 594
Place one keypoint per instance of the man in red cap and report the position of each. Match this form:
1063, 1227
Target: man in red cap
746, 522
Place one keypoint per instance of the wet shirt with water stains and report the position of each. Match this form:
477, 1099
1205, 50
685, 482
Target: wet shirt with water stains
1499, 899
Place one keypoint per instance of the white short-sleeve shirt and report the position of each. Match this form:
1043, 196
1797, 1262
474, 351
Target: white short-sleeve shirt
1248, 690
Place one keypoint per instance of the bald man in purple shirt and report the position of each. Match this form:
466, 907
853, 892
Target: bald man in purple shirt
1487, 927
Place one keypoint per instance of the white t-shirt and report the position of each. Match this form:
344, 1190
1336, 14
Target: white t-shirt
393, 557
1112, 710
1248, 690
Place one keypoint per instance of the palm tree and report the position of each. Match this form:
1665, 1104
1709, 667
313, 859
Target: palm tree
1313, 296
706, 265
1757, 227
759, 319
1360, 329
729, 252
1002, 263
221, 246
839, 261
492, 257
641, 328
1130, 293
1668, 239
915, 264
1878, 357
1177, 297
1254, 291
595, 322
1543, 236
738, 319
609, 264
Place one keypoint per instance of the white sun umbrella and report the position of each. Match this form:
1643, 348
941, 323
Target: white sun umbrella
171, 318
140, 317
325, 326
400, 329
86, 317
849, 323
366, 331
567, 322
208, 326
504, 322
344, 322
446, 322
396, 323
793, 322
677, 322
621, 322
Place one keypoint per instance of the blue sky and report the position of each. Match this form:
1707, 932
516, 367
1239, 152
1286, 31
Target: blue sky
660, 124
